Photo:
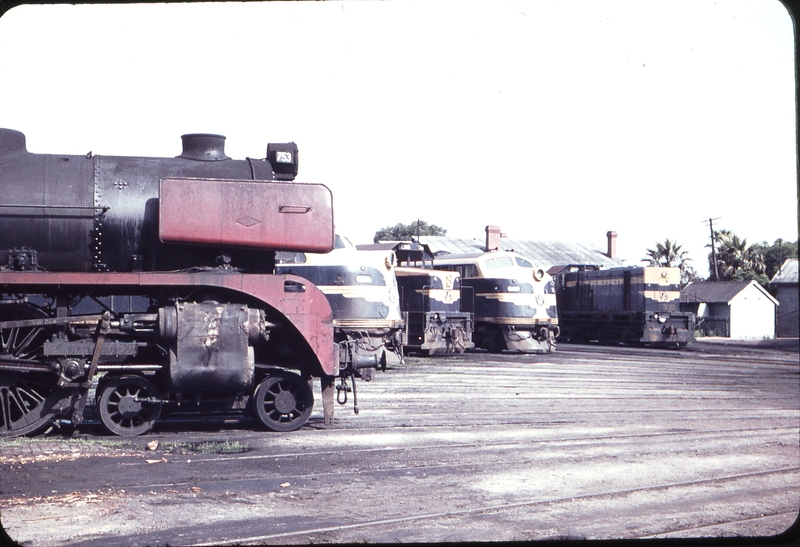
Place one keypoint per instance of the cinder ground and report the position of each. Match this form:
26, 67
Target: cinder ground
589, 442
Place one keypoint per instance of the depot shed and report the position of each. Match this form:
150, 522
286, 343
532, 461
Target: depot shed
736, 309
784, 286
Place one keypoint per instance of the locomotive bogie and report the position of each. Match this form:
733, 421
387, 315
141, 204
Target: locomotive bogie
431, 304
438, 333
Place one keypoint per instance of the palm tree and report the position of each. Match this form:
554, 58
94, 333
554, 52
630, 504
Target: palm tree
669, 255
734, 254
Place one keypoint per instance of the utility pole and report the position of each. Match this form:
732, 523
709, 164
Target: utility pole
713, 248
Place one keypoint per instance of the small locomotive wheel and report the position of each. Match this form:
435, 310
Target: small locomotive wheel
283, 402
123, 409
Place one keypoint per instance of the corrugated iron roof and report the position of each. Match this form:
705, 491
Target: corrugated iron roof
543, 253
788, 272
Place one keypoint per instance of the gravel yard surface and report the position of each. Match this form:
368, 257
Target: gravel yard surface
587, 443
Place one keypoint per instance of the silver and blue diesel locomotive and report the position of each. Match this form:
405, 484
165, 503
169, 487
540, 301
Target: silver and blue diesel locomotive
513, 302
361, 288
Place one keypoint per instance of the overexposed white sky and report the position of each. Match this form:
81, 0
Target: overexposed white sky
552, 119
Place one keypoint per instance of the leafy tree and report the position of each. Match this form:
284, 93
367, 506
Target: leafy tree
734, 254
670, 255
747, 274
404, 232
775, 254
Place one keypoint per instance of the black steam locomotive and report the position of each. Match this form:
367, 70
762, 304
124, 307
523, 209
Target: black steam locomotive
629, 305
154, 277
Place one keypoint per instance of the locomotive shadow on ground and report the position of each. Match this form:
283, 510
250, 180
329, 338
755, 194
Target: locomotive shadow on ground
177, 425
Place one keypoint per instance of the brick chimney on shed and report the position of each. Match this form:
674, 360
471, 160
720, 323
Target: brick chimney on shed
612, 244
493, 236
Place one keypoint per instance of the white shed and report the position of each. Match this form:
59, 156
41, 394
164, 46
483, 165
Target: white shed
737, 309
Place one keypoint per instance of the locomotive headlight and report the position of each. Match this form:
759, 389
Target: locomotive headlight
513, 288
538, 275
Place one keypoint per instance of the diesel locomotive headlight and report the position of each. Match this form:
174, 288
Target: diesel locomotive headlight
538, 275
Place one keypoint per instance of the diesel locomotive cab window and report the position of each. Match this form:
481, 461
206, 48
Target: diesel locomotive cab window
524, 263
341, 242
501, 262
283, 257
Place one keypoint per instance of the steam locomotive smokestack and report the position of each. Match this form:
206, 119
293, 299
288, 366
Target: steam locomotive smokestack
203, 147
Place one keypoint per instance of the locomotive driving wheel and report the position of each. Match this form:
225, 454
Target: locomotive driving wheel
24, 343
28, 400
283, 401
128, 405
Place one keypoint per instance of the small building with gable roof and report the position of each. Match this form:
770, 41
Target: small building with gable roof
736, 309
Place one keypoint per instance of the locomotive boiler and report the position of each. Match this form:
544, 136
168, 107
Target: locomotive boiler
628, 305
154, 278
